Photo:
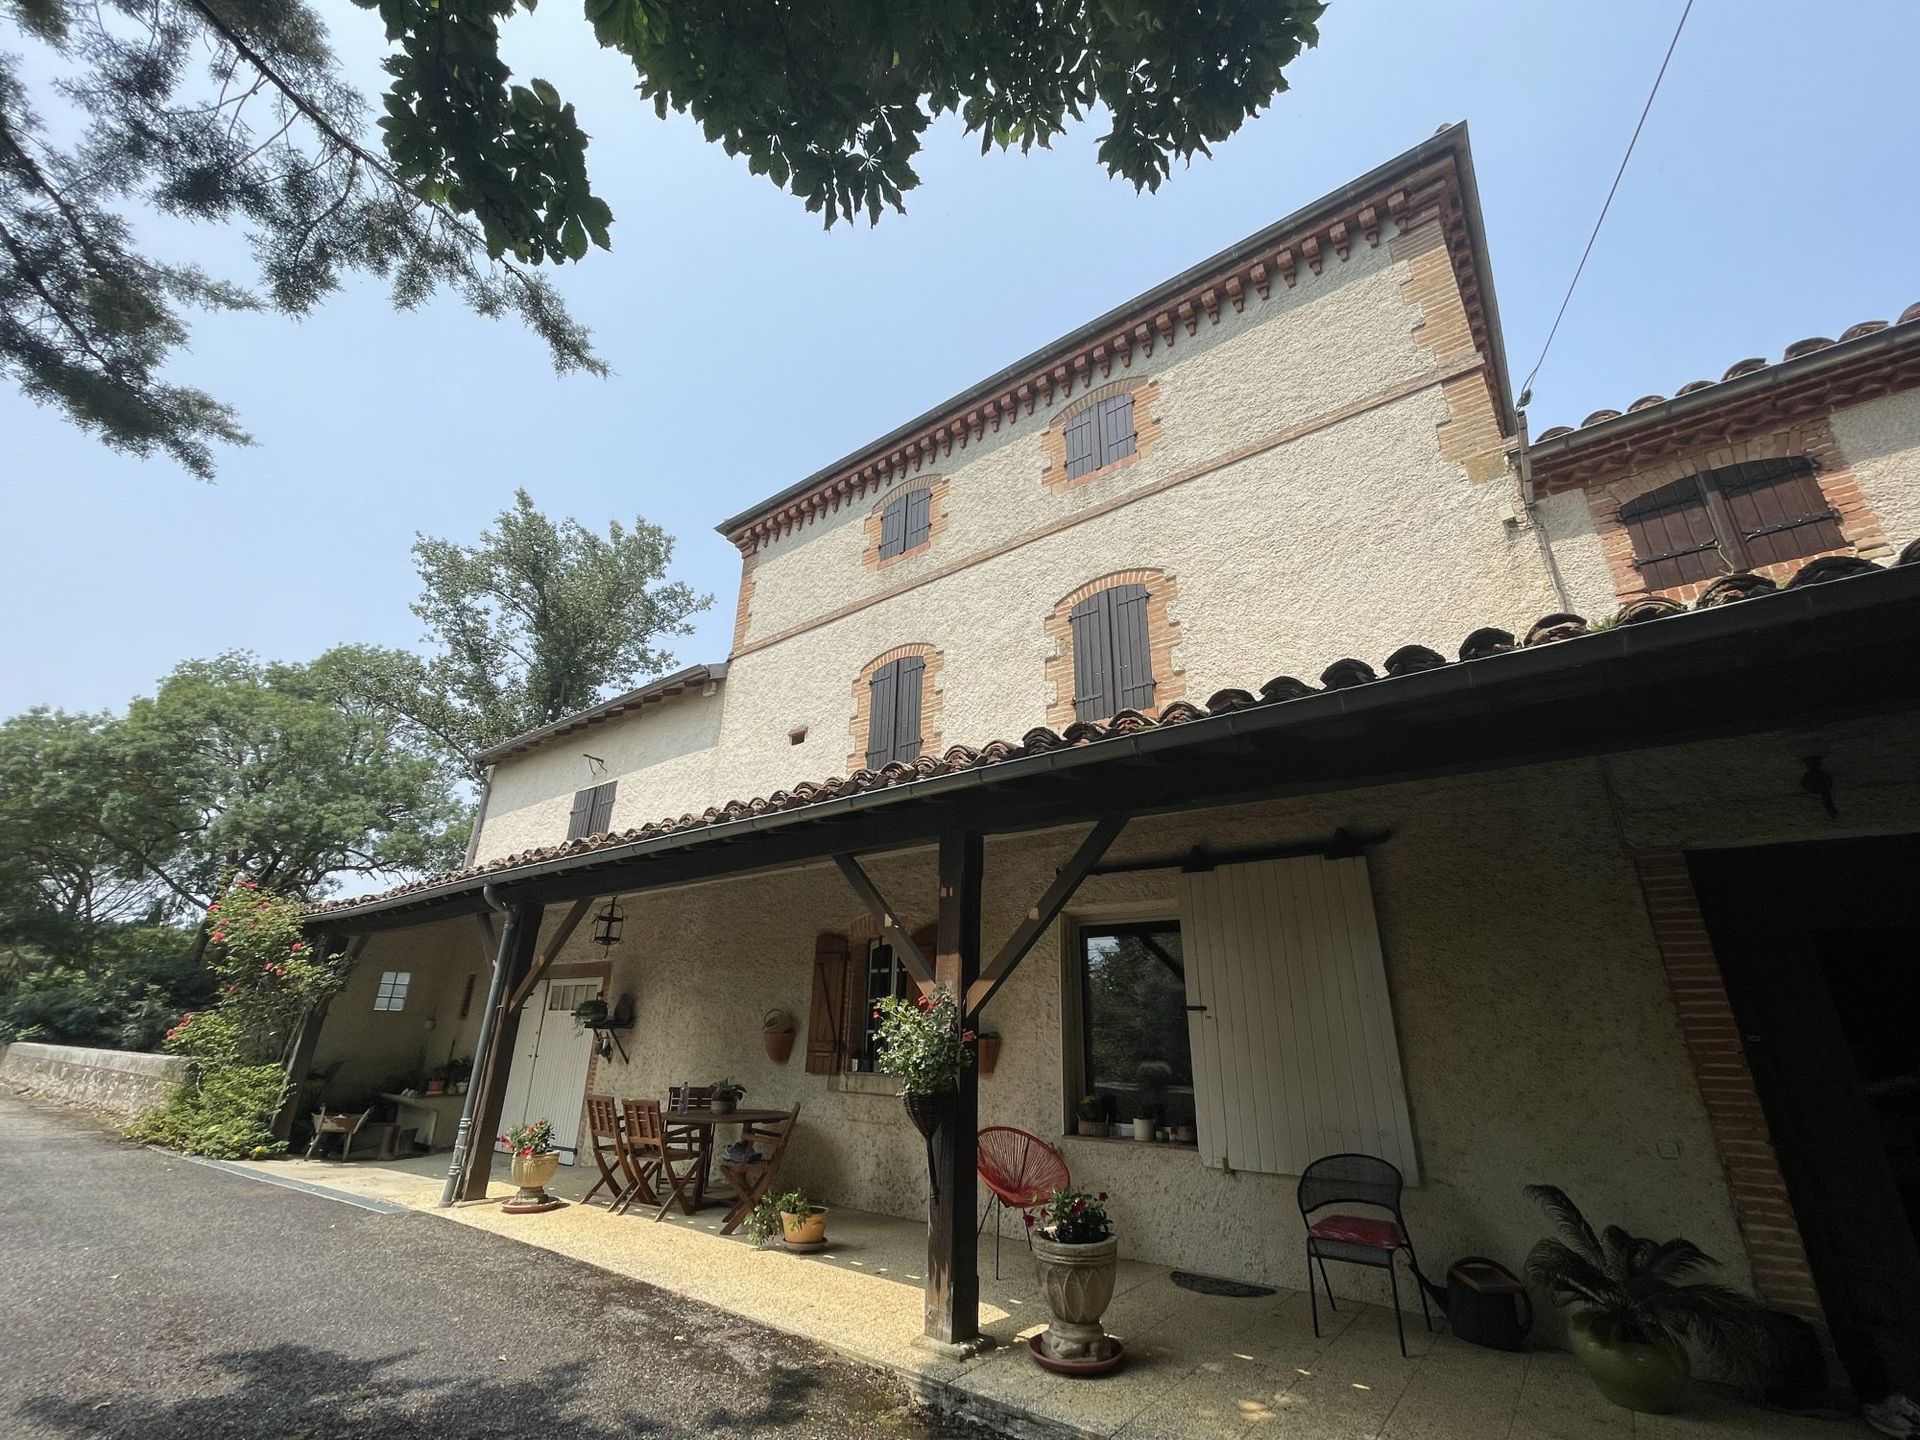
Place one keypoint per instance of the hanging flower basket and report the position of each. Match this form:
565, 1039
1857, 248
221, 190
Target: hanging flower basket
925, 1045
930, 1112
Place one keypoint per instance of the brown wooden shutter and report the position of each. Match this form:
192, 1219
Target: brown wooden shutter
909, 673
1132, 649
580, 814
893, 527
1093, 680
1779, 511
882, 693
827, 1027
600, 818
919, 521
1116, 427
1673, 536
1083, 443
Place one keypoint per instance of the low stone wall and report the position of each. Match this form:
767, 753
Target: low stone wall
122, 1083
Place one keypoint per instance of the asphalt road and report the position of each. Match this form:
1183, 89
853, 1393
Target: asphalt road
144, 1296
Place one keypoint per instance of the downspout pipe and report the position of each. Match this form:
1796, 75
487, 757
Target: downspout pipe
489, 1020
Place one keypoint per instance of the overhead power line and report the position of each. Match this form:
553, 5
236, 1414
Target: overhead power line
1526, 389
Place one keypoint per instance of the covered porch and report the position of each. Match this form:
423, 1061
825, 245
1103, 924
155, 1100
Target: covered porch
1198, 1366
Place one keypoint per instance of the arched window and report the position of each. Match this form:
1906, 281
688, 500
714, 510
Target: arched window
906, 523
1735, 518
1112, 653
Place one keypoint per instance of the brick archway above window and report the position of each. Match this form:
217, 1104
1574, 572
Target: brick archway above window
1105, 430
910, 519
1136, 598
927, 696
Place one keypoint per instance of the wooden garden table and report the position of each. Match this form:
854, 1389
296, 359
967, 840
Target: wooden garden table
705, 1122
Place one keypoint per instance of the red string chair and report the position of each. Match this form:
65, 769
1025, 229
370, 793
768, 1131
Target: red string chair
1020, 1171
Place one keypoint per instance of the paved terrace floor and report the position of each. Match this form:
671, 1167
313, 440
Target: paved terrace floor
1198, 1366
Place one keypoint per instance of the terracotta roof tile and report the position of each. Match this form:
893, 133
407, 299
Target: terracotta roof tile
1482, 644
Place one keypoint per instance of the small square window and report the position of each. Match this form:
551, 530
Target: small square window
392, 994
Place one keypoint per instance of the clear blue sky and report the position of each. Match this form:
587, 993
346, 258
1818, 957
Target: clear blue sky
1773, 197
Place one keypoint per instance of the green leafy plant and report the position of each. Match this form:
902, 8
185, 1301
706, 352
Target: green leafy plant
1625, 1289
1097, 1109
225, 1113
727, 1090
765, 1225
533, 1138
1072, 1217
922, 1042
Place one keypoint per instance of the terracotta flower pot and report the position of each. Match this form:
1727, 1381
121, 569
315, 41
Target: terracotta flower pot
809, 1229
989, 1053
776, 1034
1077, 1281
1648, 1379
531, 1173
436, 1087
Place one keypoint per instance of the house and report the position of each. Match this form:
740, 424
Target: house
1205, 698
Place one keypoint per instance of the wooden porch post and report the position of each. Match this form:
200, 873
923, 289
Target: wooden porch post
953, 1278
501, 1028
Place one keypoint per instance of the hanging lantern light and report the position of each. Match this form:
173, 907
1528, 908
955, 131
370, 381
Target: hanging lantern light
607, 925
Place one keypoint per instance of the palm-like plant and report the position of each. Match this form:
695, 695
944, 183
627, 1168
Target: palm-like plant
1630, 1290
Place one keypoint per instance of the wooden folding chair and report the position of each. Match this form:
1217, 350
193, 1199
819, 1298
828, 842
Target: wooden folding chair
649, 1153
751, 1179
603, 1135
700, 1137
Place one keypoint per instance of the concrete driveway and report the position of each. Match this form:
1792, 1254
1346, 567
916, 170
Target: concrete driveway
142, 1295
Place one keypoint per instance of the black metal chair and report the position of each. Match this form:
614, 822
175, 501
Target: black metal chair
1357, 1239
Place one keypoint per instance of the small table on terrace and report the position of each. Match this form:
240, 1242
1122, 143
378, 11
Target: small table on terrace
706, 1121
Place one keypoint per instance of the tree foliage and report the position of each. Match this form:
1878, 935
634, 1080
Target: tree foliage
236, 112
535, 621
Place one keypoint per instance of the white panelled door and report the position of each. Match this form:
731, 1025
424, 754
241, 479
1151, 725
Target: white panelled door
1294, 1051
548, 1077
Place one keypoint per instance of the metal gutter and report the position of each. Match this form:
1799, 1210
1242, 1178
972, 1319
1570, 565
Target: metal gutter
1478, 681
662, 688
1729, 392
1450, 140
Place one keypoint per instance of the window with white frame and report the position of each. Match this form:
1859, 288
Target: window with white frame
392, 994
885, 976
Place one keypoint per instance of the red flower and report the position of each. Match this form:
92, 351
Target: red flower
1028, 1218
1078, 1206
219, 935
924, 1003
1101, 1196
967, 1037
297, 947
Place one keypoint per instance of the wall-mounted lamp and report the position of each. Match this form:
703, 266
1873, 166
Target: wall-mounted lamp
608, 924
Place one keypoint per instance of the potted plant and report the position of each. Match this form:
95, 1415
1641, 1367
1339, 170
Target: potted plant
591, 1011
792, 1216
923, 1045
535, 1158
459, 1074
1077, 1254
726, 1096
776, 1035
1634, 1307
1095, 1113
1150, 1083
437, 1081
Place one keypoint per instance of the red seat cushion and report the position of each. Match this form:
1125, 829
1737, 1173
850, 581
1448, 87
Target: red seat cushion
1358, 1230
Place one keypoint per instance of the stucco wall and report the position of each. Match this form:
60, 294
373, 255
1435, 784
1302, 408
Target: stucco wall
120, 1083
1566, 520
1881, 443
372, 1046
663, 756
1538, 1037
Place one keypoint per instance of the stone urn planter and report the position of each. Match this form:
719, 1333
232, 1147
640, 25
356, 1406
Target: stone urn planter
1077, 1281
532, 1174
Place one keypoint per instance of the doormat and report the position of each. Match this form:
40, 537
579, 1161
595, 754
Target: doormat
1214, 1285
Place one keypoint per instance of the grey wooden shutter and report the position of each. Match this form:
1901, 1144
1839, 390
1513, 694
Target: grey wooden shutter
919, 518
1093, 678
1132, 652
1779, 511
600, 820
580, 814
906, 708
1673, 537
893, 527
1116, 427
882, 692
1083, 443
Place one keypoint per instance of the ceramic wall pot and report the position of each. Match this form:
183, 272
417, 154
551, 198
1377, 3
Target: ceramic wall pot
989, 1046
531, 1173
1077, 1281
776, 1034
1648, 1379
808, 1229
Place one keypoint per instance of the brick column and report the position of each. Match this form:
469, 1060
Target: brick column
1760, 1204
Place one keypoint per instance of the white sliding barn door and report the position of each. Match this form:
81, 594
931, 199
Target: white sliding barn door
1294, 1052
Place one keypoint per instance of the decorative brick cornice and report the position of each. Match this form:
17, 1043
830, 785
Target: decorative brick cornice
1250, 274
1146, 430
930, 698
1163, 633
1812, 440
936, 523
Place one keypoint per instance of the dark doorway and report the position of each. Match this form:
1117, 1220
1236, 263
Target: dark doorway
1820, 947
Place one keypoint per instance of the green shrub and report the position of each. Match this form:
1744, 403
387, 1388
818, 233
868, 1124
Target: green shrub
225, 1112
